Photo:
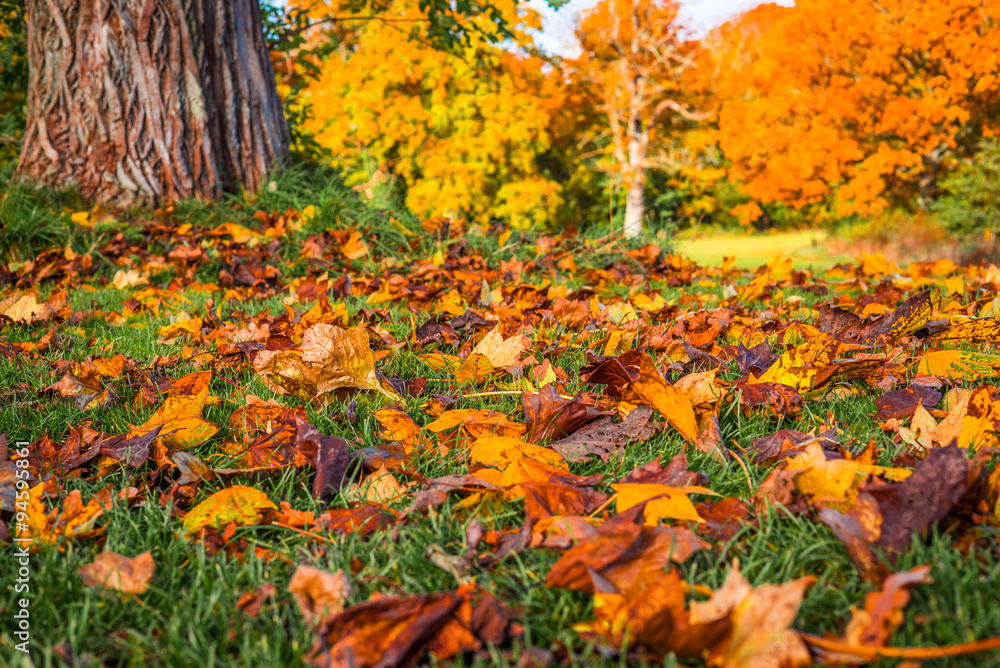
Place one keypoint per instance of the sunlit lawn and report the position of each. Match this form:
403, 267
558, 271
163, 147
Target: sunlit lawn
806, 248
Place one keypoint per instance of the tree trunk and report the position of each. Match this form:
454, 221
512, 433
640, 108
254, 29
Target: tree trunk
138, 102
635, 204
634, 208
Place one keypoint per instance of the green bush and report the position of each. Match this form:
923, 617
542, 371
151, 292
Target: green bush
970, 201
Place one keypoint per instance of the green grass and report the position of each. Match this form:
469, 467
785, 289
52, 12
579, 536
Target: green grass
189, 614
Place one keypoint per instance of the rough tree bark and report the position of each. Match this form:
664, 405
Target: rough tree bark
139, 102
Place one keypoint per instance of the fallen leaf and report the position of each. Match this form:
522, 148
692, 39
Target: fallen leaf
113, 571
319, 594
241, 505
654, 391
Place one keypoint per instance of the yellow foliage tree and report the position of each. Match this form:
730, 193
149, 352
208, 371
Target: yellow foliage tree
463, 128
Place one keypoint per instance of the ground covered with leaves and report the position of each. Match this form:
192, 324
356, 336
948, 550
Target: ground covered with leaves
294, 432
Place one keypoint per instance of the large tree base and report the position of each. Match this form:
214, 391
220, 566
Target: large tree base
136, 102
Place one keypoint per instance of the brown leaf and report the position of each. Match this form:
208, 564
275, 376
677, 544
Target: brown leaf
113, 571
909, 508
548, 499
332, 459
902, 403
252, 602
761, 620
615, 372
620, 551
676, 473
548, 415
723, 519
789, 442
385, 631
777, 398
858, 528
605, 438
882, 614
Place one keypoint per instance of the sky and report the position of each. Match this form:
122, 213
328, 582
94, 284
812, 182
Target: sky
557, 31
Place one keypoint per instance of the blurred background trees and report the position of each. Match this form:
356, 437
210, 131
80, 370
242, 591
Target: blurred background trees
824, 114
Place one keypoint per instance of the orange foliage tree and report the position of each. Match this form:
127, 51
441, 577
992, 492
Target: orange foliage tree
635, 57
462, 127
853, 102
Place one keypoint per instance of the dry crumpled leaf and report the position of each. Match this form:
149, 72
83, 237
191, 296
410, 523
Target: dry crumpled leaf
319, 594
623, 553
116, 572
761, 620
329, 359
241, 505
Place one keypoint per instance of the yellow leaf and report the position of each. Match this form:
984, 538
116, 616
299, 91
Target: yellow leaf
798, 367
181, 426
354, 248
398, 426
82, 218
836, 479
501, 451
476, 369
674, 504
958, 365
25, 309
329, 359
241, 505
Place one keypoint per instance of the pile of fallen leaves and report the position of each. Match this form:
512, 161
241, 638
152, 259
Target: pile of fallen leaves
733, 345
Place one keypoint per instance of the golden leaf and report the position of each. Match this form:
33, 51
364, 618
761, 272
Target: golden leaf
501, 451
674, 504
672, 404
241, 505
